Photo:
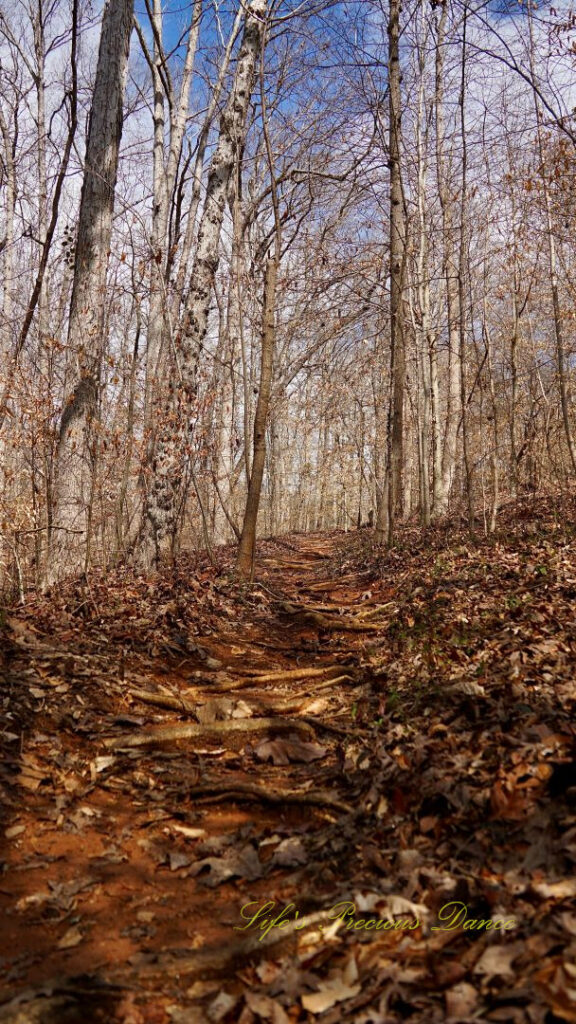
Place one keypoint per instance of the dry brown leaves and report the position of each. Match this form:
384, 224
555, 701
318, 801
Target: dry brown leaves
443, 772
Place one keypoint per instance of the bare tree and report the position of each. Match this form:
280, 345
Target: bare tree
164, 497
68, 541
397, 272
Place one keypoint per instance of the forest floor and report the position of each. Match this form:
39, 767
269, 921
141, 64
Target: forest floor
256, 802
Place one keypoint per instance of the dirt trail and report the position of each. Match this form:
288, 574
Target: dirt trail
104, 842
181, 751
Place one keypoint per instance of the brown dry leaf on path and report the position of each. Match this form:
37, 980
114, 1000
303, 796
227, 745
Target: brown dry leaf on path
283, 751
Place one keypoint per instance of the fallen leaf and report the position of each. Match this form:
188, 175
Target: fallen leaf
555, 890
267, 1008
290, 853
461, 1000
283, 751
73, 937
328, 994
14, 830
496, 961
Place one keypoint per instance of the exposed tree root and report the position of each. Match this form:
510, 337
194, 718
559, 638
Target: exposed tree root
237, 729
335, 584
163, 700
337, 730
326, 684
283, 675
245, 790
335, 624
371, 611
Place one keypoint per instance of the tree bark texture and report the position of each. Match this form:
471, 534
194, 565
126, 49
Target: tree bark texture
443, 479
397, 260
164, 499
85, 330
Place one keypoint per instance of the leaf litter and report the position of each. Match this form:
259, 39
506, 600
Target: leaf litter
425, 762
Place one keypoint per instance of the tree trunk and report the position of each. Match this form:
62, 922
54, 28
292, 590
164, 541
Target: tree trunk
552, 266
245, 559
165, 496
397, 260
468, 471
443, 479
7, 243
85, 329
165, 167
423, 335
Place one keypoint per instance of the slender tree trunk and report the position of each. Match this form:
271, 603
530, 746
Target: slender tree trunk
42, 516
120, 531
435, 414
552, 265
165, 168
397, 266
180, 289
514, 341
422, 335
461, 279
40, 82
6, 321
245, 559
495, 421
443, 479
6, 327
72, 485
37, 291
381, 453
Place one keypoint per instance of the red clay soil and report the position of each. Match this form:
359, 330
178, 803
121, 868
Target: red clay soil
336, 752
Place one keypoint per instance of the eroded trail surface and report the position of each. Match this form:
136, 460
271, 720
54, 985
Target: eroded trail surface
342, 748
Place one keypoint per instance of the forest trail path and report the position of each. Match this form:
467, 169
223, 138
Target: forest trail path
393, 734
104, 841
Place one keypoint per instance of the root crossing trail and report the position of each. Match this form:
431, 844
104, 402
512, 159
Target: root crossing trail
208, 787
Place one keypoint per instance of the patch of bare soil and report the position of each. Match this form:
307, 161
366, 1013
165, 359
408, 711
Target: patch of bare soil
345, 792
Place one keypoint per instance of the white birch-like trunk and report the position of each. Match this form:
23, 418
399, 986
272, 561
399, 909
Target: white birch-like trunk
165, 168
443, 479
164, 497
179, 290
7, 244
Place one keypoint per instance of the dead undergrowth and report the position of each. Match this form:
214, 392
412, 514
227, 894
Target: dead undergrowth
393, 731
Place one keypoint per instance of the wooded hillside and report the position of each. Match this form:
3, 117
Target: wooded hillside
287, 512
